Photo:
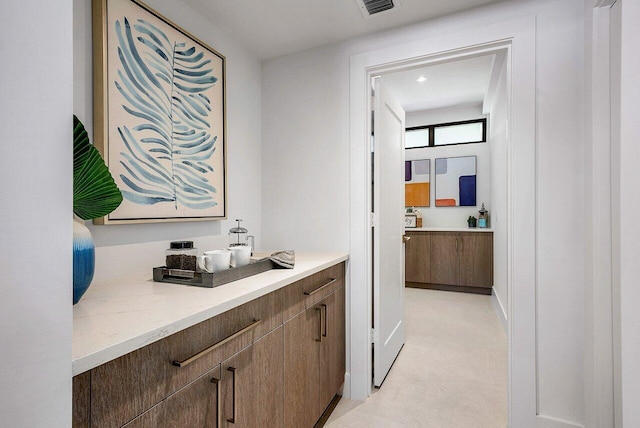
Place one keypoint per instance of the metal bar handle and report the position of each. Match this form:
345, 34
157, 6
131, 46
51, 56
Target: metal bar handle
311, 293
232, 419
325, 319
320, 325
218, 400
216, 345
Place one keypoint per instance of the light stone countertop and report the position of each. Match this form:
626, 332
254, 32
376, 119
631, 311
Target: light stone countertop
121, 315
448, 229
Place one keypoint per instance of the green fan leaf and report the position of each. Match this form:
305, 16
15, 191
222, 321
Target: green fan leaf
95, 193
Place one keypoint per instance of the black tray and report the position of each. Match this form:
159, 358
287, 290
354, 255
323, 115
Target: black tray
210, 280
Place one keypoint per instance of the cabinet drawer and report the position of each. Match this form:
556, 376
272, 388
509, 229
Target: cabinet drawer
308, 291
196, 405
126, 387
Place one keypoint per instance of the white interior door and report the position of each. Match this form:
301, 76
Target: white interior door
388, 231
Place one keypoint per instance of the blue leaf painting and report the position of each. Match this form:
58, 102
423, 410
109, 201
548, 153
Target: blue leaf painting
168, 142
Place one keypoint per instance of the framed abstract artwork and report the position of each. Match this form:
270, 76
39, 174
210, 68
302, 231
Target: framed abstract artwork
456, 182
159, 115
417, 177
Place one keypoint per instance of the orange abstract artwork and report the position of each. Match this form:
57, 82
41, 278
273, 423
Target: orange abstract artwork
417, 194
417, 189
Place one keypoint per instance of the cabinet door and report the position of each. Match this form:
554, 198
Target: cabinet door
81, 400
476, 259
302, 334
253, 391
124, 388
332, 347
445, 260
194, 406
417, 258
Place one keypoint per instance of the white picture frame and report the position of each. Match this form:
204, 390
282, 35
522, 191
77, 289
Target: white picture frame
410, 220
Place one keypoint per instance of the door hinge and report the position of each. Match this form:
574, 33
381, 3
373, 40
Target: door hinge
375, 336
373, 220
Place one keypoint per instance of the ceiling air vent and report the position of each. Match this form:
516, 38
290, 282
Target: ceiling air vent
373, 7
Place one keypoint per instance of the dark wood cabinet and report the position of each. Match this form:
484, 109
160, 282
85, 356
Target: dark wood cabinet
307, 292
81, 400
253, 391
125, 387
456, 261
196, 406
476, 260
417, 250
276, 361
444, 258
332, 349
302, 369
314, 360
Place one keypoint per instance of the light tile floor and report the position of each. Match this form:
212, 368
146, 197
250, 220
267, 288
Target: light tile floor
451, 372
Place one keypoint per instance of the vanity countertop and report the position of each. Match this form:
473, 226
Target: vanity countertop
120, 315
448, 229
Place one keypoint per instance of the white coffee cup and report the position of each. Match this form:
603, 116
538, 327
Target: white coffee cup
215, 260
240, 255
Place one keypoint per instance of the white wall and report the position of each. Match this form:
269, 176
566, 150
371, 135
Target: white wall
560, 225
499, 142
306, 175
629, 207
433, 216
443, 115
35, 213
126, 249
305, 152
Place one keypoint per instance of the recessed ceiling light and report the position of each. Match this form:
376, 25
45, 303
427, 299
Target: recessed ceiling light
421, 79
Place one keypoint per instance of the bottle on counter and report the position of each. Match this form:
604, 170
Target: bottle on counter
483, 218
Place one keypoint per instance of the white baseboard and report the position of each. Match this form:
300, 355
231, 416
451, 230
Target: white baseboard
551, 422
499, 309
346, 388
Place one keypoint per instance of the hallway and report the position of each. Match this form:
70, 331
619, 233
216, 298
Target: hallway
452, 371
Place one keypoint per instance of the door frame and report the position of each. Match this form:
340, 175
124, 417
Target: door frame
517, 36
602, 285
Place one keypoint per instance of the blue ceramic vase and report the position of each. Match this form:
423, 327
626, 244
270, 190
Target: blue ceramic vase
84, 260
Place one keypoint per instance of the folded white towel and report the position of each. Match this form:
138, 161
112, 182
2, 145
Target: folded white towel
285, 258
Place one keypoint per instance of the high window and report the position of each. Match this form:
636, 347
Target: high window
447, 134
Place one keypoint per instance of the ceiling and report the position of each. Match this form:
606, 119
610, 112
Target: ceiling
271, 28
456, 83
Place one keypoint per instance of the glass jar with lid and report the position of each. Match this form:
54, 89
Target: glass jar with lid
181, 255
